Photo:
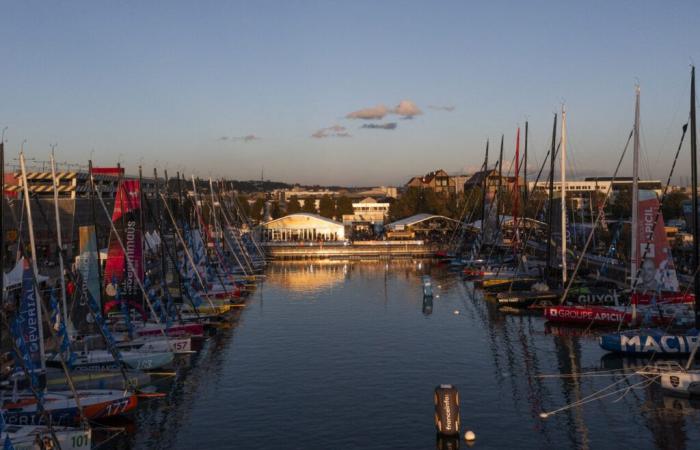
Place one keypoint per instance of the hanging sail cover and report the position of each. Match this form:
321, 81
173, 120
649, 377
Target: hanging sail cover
656, 269
126, 218
28, 320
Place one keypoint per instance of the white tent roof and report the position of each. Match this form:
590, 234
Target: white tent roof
14, 276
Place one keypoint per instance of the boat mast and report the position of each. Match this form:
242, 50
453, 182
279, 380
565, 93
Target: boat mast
694, 187
525, 167
516, 190
484, 188
35, 268
69, 325
498, 192
2, 223
634, 253
550, 211
563, 194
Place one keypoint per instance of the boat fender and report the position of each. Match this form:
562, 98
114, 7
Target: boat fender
446, 400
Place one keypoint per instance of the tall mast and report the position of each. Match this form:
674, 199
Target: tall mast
60, 244
525, 167
2, 223
550, 210
498, 192
35, 268
563, 194
484, 188
694, 187
634, 253
93, 194
516, 190
158, 225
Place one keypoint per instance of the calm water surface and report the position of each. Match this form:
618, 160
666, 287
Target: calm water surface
335, 355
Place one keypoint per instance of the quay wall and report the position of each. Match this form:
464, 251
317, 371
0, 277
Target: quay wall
360, 249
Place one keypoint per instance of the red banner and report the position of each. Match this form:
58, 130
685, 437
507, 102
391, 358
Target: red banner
127, 221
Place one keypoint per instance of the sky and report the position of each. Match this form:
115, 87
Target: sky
307, 91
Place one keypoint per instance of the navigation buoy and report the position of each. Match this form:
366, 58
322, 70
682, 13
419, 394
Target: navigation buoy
446, 399
469, 436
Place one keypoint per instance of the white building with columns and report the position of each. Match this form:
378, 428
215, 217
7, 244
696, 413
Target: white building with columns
302, 227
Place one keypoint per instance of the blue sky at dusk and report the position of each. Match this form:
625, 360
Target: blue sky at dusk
227, 88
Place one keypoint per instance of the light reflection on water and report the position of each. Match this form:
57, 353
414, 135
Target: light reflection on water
345, 354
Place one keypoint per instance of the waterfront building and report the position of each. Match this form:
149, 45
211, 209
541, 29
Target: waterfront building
368, 217
580, 191
302, 227
429, 227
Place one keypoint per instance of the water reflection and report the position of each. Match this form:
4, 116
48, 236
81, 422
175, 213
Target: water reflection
353, 366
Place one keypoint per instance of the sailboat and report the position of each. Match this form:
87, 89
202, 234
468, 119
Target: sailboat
654, 296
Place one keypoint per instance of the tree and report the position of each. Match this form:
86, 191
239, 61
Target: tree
275, 211
326, 206
258, 209
309, 205
293, 205
621, 207
343, 206
673, 205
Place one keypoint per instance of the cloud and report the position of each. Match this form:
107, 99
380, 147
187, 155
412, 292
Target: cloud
374, 113
246, 138
448, 108
381, 126
332, 131
407, 108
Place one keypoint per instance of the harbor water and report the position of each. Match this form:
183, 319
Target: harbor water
346, 355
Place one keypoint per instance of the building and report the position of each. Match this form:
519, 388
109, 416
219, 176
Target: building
492, 181
580, 191
459, 181
368, 217
438, 181
75, 184
302, 227
430, 227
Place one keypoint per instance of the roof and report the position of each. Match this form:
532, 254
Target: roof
308, 216
418, 218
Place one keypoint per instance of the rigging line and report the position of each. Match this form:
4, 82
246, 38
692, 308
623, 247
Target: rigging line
598, 395
601, 213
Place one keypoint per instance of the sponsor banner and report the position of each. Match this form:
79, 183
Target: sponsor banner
126, 218
649, 343
587, 315
28, 318
87, 266
656, 269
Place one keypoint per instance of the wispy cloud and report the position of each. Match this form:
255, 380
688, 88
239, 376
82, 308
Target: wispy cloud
246, 138
332, 131
373, 113
381, 126
448, 108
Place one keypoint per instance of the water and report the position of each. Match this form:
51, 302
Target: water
342, 355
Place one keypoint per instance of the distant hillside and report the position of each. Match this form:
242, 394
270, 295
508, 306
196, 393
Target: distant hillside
258, 186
